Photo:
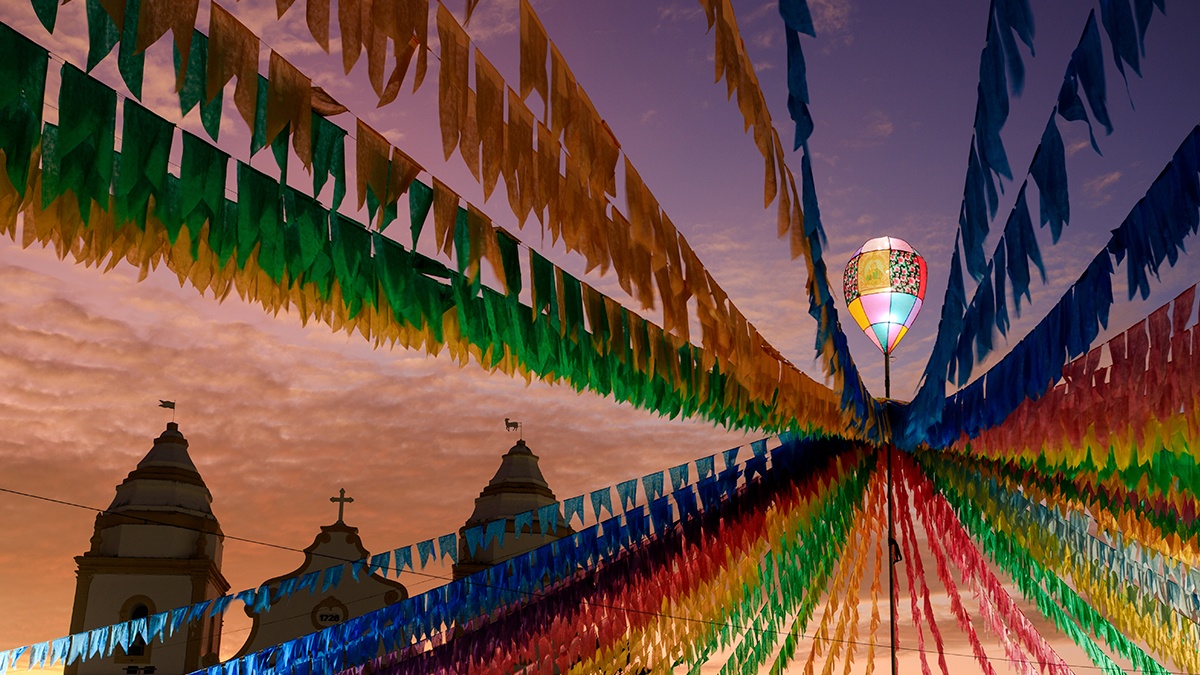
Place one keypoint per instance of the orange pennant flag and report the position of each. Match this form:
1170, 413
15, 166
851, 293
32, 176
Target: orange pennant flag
232, 52
289, 102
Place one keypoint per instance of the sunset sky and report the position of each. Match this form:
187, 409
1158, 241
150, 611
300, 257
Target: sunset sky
281, 416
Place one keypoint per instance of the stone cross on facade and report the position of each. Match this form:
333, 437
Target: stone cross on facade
342, 500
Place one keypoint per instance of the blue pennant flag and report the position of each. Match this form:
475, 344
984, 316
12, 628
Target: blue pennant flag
403, 556
37, 657
79, 645
219, 606
679, 476
573, 507
309, 581
97, 642
602, 499
425, 549
155, 624
448, 545
60, 647
380, 562
730, 457
178, 618
627, 492
521, 522
474, 537
653, 484
356, 567
262, 601
759, 447
704, 467
332, 577
494, 532
548, 518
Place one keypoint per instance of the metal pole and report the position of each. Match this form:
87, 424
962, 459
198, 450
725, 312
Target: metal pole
887, 392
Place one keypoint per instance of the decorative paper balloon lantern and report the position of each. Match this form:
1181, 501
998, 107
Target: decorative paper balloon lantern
884, 285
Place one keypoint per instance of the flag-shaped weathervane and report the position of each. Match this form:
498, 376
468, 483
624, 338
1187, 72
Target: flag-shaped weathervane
170, 405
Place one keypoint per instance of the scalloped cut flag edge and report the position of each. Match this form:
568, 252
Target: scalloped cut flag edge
884, 284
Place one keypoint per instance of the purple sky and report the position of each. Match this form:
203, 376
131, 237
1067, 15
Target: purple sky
281, 416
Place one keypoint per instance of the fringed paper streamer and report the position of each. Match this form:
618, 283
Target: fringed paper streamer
733, 342
961, 615
791, 550
1002, 617
816, 582
916, 569
1132, 613
1131, 566
1058, 601
849, 609
878, 507
343, 284
751, 505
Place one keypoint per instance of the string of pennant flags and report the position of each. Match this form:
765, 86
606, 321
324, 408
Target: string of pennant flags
1026, 470
967, 330
283, 248
645, 250
102, 641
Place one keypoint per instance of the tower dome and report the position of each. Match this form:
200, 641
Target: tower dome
158, 546
517, 487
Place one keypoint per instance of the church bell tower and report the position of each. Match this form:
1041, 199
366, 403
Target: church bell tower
157, 547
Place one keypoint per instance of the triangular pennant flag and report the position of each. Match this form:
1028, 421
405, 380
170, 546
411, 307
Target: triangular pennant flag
474, 538
448, 545
627, 492
704, 467
730, 457
426, 551
521, 522
602, 498
653, 484
331, 577
547, 517
494, 532
403, 557
380, 561
679, 476
573, 507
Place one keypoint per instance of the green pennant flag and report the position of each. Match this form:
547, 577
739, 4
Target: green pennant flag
102, 33
307, 232
329, 157
130, 64
22, 93
47, 13
420, 198
509, 255
351, 249
202, 175
145, 148
192, 92
87, 124
259, 221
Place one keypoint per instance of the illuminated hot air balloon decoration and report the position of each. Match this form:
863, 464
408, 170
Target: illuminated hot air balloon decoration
884, 285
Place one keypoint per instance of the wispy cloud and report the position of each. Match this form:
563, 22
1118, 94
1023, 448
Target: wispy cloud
680, 12
832, 19
1098, 187
876, 128
649, 116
